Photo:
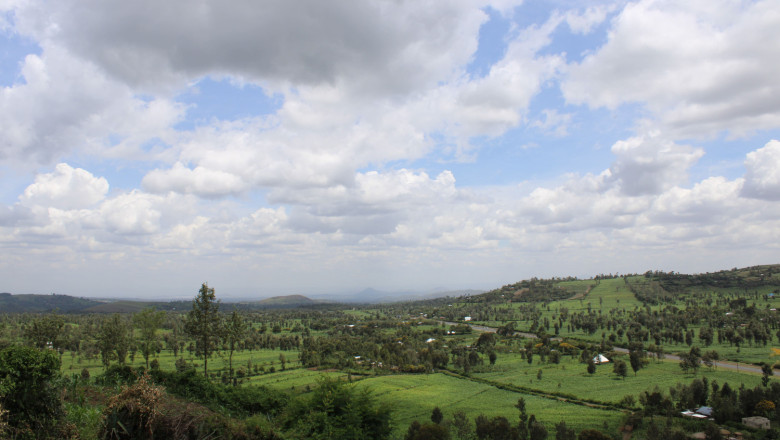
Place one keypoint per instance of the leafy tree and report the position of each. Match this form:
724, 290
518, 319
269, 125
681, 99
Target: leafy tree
462, 425
536, 431
522, 427
27, 390
591, 366
691, 360
486, 341
766, 371
497, 428
336, 410
235, 330
620, 368
114, 340
428, 431
283, 361
437, 416
44, 331
635, 358
203, 324
593, 434
709, 358
562, 432
148, 321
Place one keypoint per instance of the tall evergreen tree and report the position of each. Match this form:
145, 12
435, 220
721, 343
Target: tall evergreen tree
203, 324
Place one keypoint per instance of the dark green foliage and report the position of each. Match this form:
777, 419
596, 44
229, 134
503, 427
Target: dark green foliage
44, 332
712, 431
620, 368
592, 434
536, 431
27, 391
238, 401
533, 290
497, 428
486, 341
461, 425
43, 303
767, 371
336, 410
437, 416
691, 361
203, 324
428, 431
114, 339
591, 366
144, 411
654, 402
117, 375
562, 432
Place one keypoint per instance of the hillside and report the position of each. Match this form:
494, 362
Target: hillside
30, 303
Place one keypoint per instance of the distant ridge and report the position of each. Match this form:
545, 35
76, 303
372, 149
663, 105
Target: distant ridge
30, 303
286, 301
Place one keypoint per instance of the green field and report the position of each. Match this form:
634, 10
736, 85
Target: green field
570, 377
413, 397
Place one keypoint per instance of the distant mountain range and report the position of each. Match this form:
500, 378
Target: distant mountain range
32, 303
374, 296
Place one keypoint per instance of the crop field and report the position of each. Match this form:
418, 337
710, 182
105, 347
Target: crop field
413, 397
297, 379
570, 377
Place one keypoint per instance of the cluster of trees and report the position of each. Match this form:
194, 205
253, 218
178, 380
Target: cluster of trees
493, 428
203, 331
728, 403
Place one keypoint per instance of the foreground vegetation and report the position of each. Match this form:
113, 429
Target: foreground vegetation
409, 370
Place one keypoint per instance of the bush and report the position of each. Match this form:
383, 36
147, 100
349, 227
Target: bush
3, 421
117, 375
28, 393
240, 401
134, 412
143, 411
338, 410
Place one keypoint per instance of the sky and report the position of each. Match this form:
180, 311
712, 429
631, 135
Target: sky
309, 147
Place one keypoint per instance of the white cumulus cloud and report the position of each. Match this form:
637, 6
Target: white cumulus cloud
65, 188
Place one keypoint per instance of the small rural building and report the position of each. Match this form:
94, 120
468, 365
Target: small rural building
756, 422
600, 359
693, 415
467, 318
705, 411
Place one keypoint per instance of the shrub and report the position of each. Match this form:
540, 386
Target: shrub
338, 410
3, 421
117, 375
134, 412
143, 410
28, 394
241, 401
